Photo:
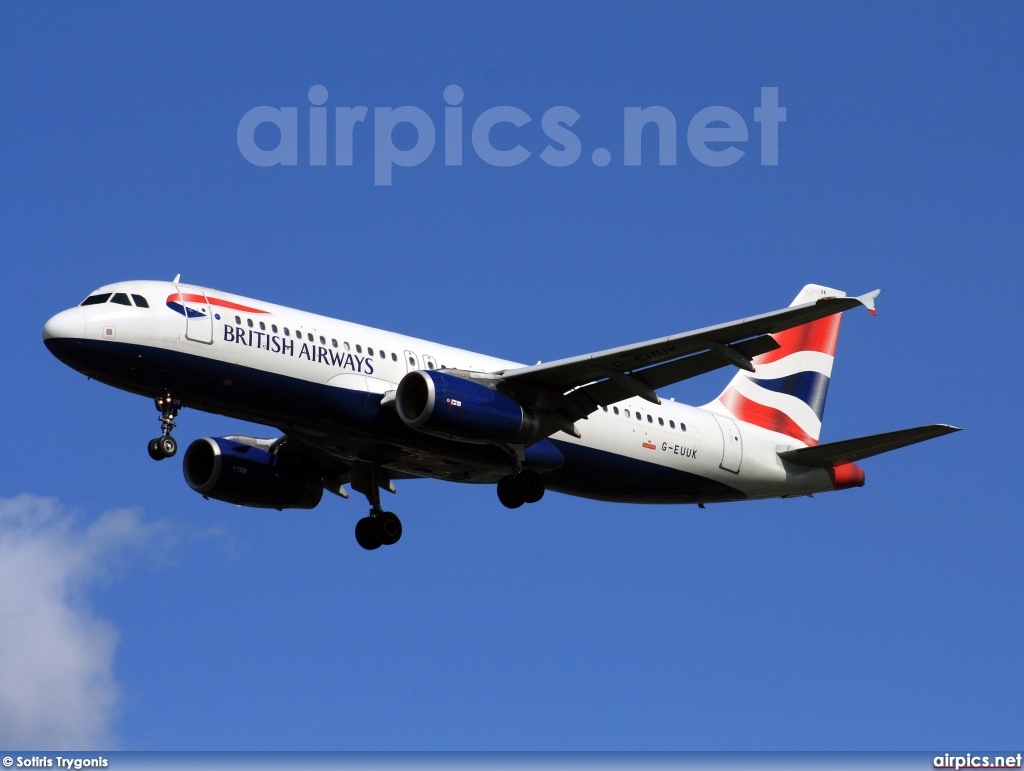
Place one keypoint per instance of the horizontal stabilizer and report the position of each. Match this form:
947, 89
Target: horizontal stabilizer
850, 450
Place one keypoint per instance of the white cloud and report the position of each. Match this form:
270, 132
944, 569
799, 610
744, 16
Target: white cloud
57, 687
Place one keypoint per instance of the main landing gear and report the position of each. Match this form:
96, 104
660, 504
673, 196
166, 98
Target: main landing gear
380, 528
165, 446
516, 489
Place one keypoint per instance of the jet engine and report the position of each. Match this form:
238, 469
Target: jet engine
459, 408
247, 475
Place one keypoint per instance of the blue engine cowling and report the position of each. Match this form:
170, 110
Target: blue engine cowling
239, 473
447, 405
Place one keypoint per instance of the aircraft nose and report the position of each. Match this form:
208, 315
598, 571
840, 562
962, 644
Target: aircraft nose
69, 323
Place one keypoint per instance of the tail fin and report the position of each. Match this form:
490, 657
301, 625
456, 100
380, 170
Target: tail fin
786, 392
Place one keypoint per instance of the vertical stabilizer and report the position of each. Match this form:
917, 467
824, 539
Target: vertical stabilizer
786, 392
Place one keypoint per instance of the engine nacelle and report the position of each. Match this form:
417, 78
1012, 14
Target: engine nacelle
249, 476
447, 405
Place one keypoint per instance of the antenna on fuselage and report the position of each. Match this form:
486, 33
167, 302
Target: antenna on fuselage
177, 278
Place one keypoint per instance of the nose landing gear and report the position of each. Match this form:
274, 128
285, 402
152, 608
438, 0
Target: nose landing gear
165, 446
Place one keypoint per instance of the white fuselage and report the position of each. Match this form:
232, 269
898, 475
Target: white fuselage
244, 335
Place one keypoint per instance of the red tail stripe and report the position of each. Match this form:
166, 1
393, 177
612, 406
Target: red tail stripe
820, 335
761, 415
198, 298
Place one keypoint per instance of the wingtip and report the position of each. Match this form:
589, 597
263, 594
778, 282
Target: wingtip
868, 301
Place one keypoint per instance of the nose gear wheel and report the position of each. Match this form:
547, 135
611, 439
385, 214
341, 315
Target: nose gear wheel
165, 446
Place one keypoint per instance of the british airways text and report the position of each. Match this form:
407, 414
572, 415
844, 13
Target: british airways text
286, 346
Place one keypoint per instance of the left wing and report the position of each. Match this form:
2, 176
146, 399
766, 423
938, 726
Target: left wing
572, 388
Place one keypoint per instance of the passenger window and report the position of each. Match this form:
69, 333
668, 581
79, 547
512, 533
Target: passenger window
140, 301
369, 351
298, 333
121, 299
334, 342
394, 357
682, 426
661, 421
604, 408
671, 424
359, 348
286, 331
626, 412
639, 416
249, 322
263, 326
382, 354
273, 328
650, 418
615, 410
309, 335
238, 321
347, 346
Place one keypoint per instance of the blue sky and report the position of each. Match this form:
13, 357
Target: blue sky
888, 617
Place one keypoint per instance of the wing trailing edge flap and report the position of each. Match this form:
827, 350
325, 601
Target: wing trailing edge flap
851, 450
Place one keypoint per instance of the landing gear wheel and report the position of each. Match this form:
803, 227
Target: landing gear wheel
155, 452
389, 528
509, 493
165, 445
531, 486
367, 535
168, 446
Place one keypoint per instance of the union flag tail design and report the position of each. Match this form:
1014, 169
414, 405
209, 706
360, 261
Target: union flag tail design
786, 392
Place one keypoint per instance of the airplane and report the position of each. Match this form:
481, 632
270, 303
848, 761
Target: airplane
366, 407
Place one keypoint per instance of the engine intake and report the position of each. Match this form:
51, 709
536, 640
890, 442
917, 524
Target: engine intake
249, 476
455, 407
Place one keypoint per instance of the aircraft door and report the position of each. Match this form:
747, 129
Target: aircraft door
732, 444
411, 361
198, 316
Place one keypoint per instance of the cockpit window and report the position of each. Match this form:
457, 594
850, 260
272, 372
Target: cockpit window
140, 301
96, 299
121, 299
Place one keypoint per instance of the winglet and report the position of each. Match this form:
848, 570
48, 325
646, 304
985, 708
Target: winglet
868, 301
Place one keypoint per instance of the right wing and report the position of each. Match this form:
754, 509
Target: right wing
570, 389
